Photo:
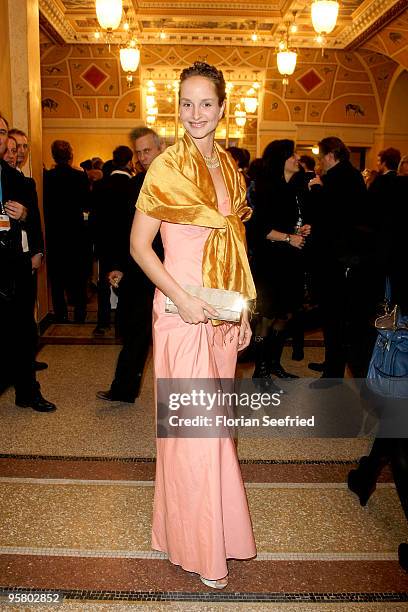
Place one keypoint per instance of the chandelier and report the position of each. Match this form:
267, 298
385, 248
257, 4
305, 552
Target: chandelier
286, 58
324, 15
109, 14
286, 61
129, 60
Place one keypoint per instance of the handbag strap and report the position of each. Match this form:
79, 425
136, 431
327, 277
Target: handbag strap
387, 295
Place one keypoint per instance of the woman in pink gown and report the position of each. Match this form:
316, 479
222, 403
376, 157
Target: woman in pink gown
192, 192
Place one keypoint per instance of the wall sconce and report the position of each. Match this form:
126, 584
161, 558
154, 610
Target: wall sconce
250, 102
240, 116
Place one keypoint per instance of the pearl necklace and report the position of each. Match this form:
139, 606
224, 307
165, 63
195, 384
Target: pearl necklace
212, 161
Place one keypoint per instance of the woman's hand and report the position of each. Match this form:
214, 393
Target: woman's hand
245, 332
297, 241
305, 230
194, 310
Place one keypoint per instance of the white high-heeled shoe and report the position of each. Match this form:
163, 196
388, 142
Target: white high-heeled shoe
215, 584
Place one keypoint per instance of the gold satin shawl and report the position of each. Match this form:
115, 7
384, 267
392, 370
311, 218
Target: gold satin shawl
178, 189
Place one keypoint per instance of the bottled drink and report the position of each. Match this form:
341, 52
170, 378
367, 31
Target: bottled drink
4, 219
4, 226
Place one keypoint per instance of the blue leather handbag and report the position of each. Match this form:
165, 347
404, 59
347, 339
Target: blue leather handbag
388, 369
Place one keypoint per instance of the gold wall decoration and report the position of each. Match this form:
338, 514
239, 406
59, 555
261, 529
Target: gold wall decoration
392, 41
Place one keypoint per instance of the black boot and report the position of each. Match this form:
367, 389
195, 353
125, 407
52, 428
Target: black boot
362, 481
274, 345
297, 331
262, 372
403, 556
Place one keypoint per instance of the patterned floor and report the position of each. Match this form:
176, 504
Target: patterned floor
76, 491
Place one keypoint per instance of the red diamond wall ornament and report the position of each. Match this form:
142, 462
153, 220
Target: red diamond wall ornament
94, 76
310, 80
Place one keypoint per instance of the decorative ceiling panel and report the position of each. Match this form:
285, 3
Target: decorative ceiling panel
213, 22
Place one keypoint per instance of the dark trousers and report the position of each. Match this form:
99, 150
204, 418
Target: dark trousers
35, 338
68, 273
395, 452
104, 294
134, 325
348, 298
17, 349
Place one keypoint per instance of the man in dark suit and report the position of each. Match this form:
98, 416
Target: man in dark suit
112, 199
66, 193
135, 291
34, 235
344, 246
16, 288
384, 188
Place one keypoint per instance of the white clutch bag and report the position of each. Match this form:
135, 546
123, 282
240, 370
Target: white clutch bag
228, 304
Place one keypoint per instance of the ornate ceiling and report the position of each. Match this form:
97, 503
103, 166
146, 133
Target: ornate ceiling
220, 22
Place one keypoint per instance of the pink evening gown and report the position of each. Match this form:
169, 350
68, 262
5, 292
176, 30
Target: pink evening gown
200, 515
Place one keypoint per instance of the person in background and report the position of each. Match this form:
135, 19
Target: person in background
16, 311
280, 234
241, 158
384, 192
66, 193
32, 235
403, 166
369, 176
135, 291
97, 163
10, 155
112, 198
308, 165
344, 252
391, 245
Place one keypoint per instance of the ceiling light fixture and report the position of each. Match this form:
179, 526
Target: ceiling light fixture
294, 27
254, 35
324, 15
286, 58
109, 14
129, 60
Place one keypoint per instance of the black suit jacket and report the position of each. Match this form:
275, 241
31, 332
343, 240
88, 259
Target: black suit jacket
113, 203
66, 196
388, 197
342, 224
115, 200
33, 222
14, 188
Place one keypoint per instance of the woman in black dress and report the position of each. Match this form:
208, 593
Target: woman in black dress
280, 235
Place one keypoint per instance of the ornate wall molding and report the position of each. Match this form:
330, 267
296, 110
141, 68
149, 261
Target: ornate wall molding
378, 25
